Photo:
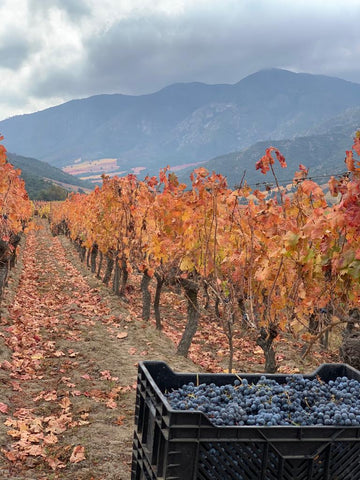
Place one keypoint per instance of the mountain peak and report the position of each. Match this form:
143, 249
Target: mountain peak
280, 74
267, 73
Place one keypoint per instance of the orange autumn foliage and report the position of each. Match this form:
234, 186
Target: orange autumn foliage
284, 253
15, 207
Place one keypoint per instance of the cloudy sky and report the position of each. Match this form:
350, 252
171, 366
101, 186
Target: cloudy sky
52, 51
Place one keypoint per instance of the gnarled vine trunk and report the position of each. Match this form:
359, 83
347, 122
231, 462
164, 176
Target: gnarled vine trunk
191, 289
265, 341
160, 279
93, 255
14, 241
100, 264
206, 295
109, 267
3, 275
116, 279
124, 276
350, 350
350, 347
4, 264
82, 252
146, 296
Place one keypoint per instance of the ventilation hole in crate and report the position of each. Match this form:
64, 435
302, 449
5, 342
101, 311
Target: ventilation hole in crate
146, 471
273, 466
234, 461
345, 461
141, 469
230, 461
296, 470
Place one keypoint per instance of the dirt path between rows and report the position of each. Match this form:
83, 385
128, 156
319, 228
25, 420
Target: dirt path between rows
68, 355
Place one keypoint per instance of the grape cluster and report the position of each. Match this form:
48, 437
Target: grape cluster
298, 401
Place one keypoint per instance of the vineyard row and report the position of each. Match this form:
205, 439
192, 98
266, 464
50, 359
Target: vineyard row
276, 260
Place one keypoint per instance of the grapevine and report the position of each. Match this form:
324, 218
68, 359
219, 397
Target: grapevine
274, 260
15, 211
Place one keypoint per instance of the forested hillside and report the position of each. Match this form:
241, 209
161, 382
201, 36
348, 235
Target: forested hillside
43, 181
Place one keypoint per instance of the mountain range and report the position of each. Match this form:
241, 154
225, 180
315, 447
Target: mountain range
311, 118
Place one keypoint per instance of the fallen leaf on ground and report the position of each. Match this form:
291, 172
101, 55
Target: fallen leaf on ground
59, 353
9, 455
111, 404
122, 335
65, 403
55, 463
120, 420
78, 454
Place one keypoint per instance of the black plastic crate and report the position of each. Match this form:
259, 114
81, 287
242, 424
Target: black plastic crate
184, 445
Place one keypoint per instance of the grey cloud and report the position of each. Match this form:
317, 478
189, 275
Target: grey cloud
75, 9
141, 54
57, 82
13, 52
145, 53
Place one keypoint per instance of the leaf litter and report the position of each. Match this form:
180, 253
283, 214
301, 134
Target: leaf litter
68, 365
